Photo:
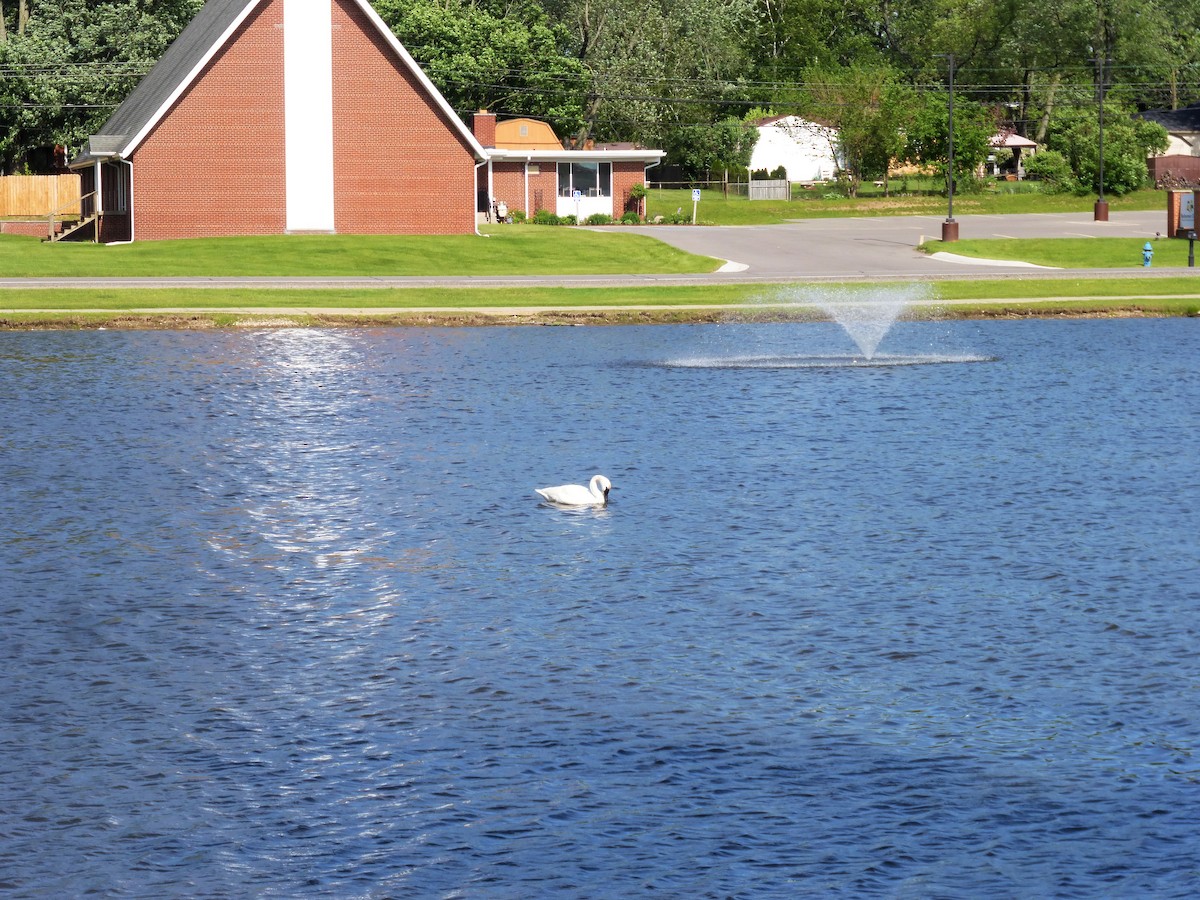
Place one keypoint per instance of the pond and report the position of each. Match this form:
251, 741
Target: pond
281, 616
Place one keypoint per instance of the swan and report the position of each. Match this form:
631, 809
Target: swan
595, 494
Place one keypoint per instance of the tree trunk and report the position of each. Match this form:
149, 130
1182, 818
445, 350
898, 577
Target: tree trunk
1044, 121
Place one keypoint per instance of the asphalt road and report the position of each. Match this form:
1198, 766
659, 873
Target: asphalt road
813, 249
883, 248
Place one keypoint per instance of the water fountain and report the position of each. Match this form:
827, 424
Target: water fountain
865, 313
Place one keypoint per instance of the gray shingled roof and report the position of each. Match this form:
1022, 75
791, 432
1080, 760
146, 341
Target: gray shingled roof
1176, 121
214, 17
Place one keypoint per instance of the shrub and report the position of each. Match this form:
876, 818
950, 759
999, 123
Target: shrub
599, 219
517, 215
545, 217
631, 218
567, 220
1053, 171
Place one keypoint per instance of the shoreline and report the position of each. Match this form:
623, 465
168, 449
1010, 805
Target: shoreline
242, 318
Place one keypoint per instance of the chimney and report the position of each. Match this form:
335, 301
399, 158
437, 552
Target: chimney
483, 126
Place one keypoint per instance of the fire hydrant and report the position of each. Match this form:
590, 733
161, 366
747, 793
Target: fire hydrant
1147, 255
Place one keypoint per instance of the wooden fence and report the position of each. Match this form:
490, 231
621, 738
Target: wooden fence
39, 196
775, 189
1176, 171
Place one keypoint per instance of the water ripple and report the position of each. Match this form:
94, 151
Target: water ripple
281, 616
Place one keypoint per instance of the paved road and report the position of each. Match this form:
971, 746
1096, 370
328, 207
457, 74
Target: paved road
887, 246
809, 250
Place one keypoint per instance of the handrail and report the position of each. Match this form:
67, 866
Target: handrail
52, 216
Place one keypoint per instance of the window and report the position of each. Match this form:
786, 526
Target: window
591, 179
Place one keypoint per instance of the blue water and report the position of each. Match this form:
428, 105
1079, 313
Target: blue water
280, 615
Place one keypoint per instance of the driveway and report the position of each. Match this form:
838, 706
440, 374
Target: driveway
885, 247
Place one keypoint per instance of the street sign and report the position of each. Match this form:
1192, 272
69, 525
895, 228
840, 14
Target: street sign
695, 195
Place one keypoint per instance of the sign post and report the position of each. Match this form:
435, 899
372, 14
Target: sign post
576, 196
695, 203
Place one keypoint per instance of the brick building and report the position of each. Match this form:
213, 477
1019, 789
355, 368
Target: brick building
292, 116
528, 169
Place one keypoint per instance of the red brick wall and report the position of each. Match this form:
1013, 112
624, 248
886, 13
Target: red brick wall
483, 126
508, 184
625, 176
400, 166
29, 229
214, 165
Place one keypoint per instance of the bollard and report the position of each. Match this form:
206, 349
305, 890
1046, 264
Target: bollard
1147, 254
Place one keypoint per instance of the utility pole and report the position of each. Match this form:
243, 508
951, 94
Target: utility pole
950, 227
1100, 213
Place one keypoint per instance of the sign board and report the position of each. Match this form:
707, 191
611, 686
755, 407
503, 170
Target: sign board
695, 195
576, 195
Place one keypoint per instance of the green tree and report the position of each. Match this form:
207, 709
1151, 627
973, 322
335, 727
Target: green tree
655, 65
1075, 133
702, 149
928, 138
72, 63
868, 106
490, 54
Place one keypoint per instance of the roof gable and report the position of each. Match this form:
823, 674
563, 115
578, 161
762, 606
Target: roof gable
526, 134
185, 59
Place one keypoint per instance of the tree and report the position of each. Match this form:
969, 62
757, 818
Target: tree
492, 54
928, 138
868, 106
1127, 143
67, 66
701, 149
655, 65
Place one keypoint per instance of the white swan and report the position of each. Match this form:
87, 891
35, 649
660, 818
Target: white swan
595, 494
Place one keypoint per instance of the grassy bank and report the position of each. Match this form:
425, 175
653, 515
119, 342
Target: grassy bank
419, 306
508, 250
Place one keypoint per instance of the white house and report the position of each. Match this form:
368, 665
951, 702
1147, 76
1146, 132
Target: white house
807, 150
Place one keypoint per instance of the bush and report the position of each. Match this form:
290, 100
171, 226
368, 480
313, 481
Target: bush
545, 217
599, 219
1053, 171
517, 215
631, 218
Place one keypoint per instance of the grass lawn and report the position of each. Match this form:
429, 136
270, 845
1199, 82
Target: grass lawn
507, 250
714, 209
1071, 253
1169, 295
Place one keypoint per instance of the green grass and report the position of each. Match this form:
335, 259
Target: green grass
1178, 294
714, 209
508, 250
1071, 253
372, 298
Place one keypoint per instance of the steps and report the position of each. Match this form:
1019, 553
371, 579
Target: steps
66, 229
